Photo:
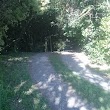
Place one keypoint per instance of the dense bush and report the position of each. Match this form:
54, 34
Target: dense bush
98, 48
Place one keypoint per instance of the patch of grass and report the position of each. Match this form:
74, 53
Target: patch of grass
16, 89
105, 72
94, 94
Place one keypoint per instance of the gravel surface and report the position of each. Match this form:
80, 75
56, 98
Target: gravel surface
59, 94
78, 63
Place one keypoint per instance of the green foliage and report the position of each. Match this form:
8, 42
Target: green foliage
99, 46
60, 45
12, 12
16, 89
88, 25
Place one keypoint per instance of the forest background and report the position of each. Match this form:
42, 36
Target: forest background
50, 25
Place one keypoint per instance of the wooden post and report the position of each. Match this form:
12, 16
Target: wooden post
50, 43
45, 44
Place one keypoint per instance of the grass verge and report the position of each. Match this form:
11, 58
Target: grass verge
105, 72
94, 94
16, 89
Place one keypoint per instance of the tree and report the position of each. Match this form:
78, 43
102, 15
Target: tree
12, 12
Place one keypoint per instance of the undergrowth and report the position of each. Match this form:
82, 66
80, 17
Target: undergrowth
16, 89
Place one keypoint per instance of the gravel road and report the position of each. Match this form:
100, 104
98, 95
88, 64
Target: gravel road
59, 94
78, 63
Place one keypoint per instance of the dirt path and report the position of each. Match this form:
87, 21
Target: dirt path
60, 95
78, 62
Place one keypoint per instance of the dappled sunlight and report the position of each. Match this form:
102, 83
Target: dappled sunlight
31, 90
84, 60
18, 91
51, 78
100, 67
17, 88
59, 94
102, 70
19, 100
15, 59
20, 59
74, 103
94, 78
92, 87
57, 100
78, 62
70, 82
70, 91
60, 88
76, 73
71, 102
78, 56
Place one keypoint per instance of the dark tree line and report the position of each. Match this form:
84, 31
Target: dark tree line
48, 25
33, 34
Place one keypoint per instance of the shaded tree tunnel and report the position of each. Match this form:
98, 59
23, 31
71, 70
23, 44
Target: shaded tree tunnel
36, 33
50, 25
39, 33
45, 28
